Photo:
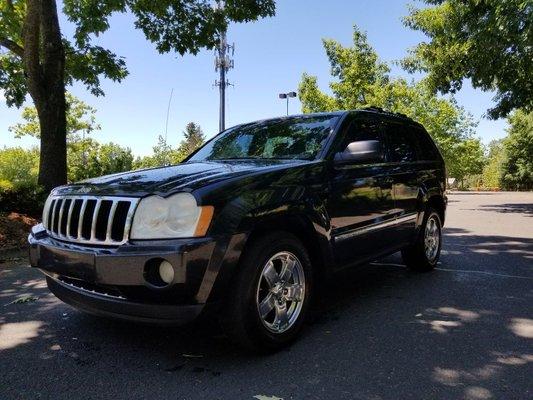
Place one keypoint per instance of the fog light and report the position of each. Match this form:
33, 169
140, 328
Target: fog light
166, 272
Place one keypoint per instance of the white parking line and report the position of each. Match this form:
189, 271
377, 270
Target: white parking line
465, 271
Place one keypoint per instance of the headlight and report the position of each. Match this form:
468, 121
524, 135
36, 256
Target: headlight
177, 216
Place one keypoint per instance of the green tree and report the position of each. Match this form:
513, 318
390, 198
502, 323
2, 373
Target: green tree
470, 161
40, 61
493, 167
362, 80
193, 138
80, 117
486, 41
87, 159
18, 181
163, 155
517, 166
18, 167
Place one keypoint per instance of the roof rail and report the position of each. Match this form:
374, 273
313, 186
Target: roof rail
381, 110
373, 108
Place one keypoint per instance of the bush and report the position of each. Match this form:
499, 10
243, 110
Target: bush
88, 159
19, 190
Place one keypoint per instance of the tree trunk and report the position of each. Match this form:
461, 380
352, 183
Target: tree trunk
44, 62
53, 156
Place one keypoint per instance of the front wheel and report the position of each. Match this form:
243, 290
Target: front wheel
424, 253
269, 298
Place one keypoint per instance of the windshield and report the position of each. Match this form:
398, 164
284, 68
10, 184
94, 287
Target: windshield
290, 138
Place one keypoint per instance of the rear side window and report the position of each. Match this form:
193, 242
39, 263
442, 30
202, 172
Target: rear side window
426, 147
401, 143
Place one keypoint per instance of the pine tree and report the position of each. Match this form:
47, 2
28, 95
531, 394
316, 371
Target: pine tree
193, 138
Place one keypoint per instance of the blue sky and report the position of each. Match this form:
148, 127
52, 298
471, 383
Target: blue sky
270, 57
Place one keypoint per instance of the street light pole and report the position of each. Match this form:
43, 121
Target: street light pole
287, 96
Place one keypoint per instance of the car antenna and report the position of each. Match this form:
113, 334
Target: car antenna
168, 113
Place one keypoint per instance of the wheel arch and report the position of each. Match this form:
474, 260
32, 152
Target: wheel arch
302, 227
437, 202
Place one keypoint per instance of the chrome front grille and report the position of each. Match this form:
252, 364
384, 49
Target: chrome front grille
90, 220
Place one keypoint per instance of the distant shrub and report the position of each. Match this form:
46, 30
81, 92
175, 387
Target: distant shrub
19, 190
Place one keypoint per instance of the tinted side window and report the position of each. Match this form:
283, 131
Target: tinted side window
361, 129
426, 147
400, 143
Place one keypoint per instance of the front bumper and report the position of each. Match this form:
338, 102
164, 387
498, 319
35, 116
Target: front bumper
111, 281
118, 307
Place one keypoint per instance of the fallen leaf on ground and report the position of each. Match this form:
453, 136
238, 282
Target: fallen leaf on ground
24, 299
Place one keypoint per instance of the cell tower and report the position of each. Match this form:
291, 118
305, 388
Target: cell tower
223, 63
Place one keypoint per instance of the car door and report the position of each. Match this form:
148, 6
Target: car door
360, 200
404, 171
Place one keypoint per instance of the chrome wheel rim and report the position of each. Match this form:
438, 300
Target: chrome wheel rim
280, 292
431, 238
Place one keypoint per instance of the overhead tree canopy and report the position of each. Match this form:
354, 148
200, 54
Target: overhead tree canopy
182, 26
486, 41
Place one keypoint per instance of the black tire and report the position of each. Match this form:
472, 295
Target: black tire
415, 256
241, 318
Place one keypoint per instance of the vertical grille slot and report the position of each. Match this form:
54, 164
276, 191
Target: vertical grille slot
119, 223
48, 222
102, 217
87, 222
75, 219
91, 220
63, 217
55, 219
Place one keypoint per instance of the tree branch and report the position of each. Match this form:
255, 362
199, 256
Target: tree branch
12, 47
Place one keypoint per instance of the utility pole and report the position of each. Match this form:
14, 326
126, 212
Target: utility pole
223, 63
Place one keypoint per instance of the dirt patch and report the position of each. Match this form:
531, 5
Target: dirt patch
14, 230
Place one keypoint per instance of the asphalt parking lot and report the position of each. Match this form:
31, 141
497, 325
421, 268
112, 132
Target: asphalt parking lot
464, 331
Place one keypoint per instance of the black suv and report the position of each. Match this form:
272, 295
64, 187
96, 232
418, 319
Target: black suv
249, 224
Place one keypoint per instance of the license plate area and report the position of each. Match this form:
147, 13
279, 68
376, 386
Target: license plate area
72, 264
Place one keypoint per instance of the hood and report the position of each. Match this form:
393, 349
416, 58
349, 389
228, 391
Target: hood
167, 180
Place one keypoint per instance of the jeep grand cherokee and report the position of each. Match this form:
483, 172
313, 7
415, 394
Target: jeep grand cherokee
248, 224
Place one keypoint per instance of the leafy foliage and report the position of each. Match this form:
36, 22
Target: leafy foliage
493, 166
164, 154
362, 80
181, 26
19, 190
18, 167
470, 161
486, 41
517, 166
39, 60
81, 119
87, 159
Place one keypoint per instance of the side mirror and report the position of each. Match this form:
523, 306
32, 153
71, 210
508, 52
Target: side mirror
360, 152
